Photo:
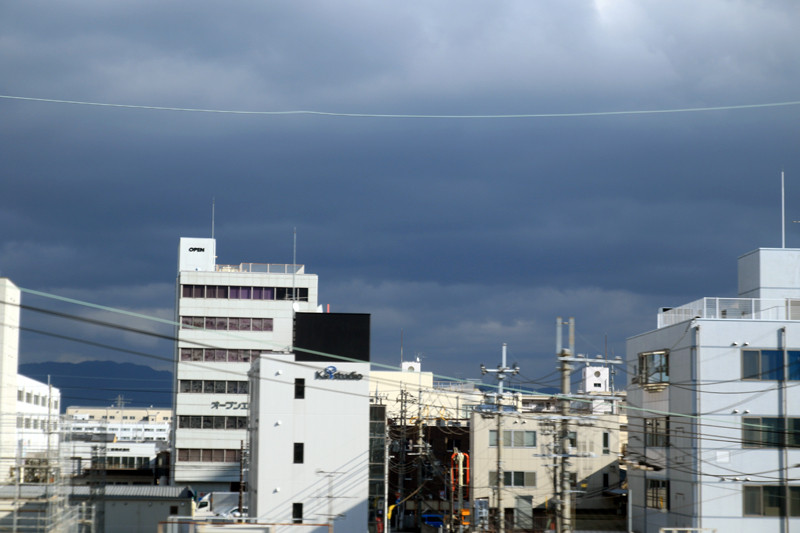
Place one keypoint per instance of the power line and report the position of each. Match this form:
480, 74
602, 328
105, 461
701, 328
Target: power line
409, 116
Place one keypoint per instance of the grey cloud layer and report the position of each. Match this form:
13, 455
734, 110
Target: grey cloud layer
466, 233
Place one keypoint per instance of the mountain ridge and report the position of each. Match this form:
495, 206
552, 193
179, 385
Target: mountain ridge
104, 383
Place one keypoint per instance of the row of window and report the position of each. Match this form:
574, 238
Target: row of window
514, 438
121, 462
768, 365
766, 500
234, 292
35, 399
201, 386
514, 478
223, 323
152, 418
756, 365
758, 500
757, 432
770, 432
35, 423
198, 455
212, 422
210, 355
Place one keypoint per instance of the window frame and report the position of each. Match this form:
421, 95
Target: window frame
657, 494
654, 373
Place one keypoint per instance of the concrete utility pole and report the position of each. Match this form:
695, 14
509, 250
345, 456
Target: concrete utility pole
501, 372
566, 486
565, 355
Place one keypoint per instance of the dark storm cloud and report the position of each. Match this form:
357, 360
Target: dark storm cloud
464, 233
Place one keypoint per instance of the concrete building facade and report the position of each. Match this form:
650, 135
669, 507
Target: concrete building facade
228, 315
310, 441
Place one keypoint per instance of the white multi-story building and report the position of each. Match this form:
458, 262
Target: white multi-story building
310, 442
714, 407
37, 416
228, 314
29, 410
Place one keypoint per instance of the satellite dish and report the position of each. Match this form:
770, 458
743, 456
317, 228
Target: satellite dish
295, 306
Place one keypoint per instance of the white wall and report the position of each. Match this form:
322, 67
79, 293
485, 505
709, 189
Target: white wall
332, 422
9, 353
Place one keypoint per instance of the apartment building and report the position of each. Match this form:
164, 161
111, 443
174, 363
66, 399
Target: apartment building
522, 441
714, 408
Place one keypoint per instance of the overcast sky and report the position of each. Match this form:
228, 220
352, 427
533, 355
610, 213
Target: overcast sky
464, 233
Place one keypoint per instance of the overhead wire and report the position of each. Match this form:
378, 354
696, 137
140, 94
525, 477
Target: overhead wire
300, 112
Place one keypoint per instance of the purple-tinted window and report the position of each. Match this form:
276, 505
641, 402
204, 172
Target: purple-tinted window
244, 293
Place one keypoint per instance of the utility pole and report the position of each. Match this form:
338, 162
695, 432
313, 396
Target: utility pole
241, 476
566, 486
565, 356
501, 372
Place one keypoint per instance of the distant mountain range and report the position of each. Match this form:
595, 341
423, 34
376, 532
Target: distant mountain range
104, 383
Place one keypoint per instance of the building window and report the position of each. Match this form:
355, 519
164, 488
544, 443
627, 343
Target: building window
207, 456
299, 388
514, 478
514, 438
606, 443
221, 323
768, 365
770, 432
298, 452
656, 432
20, 395
766, 500
297, 513
212, 422
657, 496
654, 368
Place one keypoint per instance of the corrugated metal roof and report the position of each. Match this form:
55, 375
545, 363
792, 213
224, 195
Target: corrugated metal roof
153, 492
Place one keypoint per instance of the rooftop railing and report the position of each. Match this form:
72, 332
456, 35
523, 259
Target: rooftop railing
732, 308
268, 268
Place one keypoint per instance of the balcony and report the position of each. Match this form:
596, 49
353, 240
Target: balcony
732, 309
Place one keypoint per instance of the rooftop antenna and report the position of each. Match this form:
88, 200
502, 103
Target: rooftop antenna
213, 206
401, 348
294, 265
783, 213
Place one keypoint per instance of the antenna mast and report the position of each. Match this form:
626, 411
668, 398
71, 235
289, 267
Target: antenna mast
783, 213
294, 265
213, 207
